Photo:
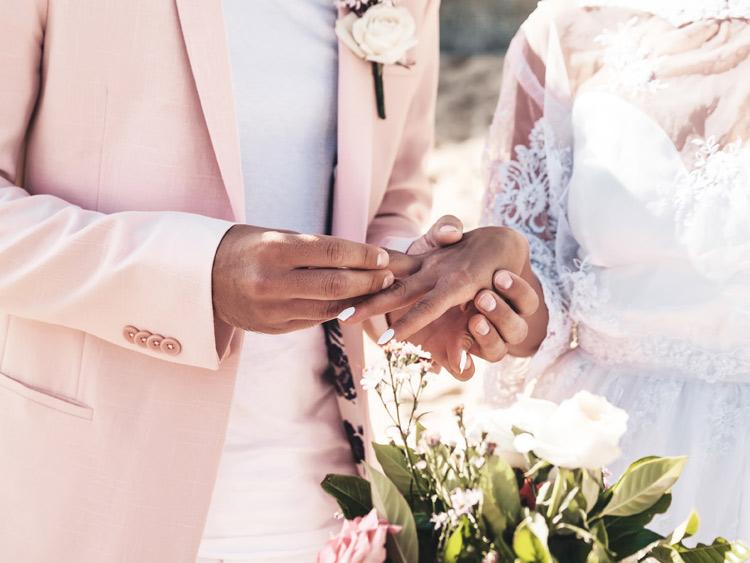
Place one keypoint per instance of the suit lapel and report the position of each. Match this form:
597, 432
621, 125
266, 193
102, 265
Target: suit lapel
351, 202
356, 113
202, 23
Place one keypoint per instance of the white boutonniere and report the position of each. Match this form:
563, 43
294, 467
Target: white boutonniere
380, 32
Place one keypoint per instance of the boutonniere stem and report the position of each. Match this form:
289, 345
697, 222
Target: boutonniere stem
379, 32
377, 74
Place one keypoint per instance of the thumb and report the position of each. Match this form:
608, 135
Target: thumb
446, 231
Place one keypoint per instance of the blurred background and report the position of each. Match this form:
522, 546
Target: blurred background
474, 37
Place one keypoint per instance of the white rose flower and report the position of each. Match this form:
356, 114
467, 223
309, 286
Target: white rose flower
526, 414
382, 35
583, 432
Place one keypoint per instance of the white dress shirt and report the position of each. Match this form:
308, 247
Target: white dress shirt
285, 433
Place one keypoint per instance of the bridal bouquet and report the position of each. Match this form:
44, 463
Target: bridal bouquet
523, 484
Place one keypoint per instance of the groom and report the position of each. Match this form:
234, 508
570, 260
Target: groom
139, 140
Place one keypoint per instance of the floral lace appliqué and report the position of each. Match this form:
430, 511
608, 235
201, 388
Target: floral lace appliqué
681, 12
630, 65
521, 188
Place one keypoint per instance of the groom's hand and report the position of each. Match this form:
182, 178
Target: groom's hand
274, 282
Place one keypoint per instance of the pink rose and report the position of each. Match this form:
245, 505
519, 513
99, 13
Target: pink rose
361, 540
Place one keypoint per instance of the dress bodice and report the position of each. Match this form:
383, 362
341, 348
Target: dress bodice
620, 148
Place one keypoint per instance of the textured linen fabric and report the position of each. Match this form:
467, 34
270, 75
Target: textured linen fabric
285, 433
621, 148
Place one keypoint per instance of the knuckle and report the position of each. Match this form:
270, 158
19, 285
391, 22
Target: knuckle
459, 278
335, 253
333, 285
258, 285
517, 333
498, 352
425, 307
398, 289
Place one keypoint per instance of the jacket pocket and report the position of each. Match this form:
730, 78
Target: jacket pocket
45, 398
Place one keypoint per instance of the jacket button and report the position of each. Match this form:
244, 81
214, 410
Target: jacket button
171, 346
154, 342
129, 333
141, 338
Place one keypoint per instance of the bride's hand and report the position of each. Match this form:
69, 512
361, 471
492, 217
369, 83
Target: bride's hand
452, 276
489, 328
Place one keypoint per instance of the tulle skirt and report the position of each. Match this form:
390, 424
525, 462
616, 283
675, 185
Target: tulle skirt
675, 414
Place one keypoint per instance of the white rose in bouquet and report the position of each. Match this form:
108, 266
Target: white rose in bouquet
526, 413
583, 432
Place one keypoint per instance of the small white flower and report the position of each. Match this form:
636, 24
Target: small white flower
371, 379
421, 465
382, 35
464, 500
440, 519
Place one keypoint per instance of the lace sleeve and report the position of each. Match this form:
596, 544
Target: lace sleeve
528, 168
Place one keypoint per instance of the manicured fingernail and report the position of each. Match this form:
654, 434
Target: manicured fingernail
448, 229
386, 337
487, 302
347, 314
483, 327
388, 281
464, 361
503, 280
383, 259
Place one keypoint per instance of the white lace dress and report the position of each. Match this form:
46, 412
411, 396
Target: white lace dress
620, 148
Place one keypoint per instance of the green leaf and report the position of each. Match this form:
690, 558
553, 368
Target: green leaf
643, 484
393, 461
502, 502
666, 554
352, 493
619, 525
455, 545
719, 552
530, 540
590, 488
420, 430
628, 534
685, 530
559, 492
402, 547
633, 541
599, 554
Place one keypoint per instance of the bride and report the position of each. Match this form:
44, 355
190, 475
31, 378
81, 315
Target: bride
621, 150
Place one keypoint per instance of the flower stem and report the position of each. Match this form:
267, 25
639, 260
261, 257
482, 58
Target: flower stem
404, 433
377, 74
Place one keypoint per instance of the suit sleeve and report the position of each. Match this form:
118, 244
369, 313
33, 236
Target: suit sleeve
104, 274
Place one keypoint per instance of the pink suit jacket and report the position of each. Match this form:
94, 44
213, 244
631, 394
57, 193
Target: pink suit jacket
119, 174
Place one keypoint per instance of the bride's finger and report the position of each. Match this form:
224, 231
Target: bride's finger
511, 327
489, 345
460, 363
517, 292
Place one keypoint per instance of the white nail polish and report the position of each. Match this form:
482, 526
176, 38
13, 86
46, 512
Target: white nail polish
448, 229
386, 337
464, 361
347, 314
